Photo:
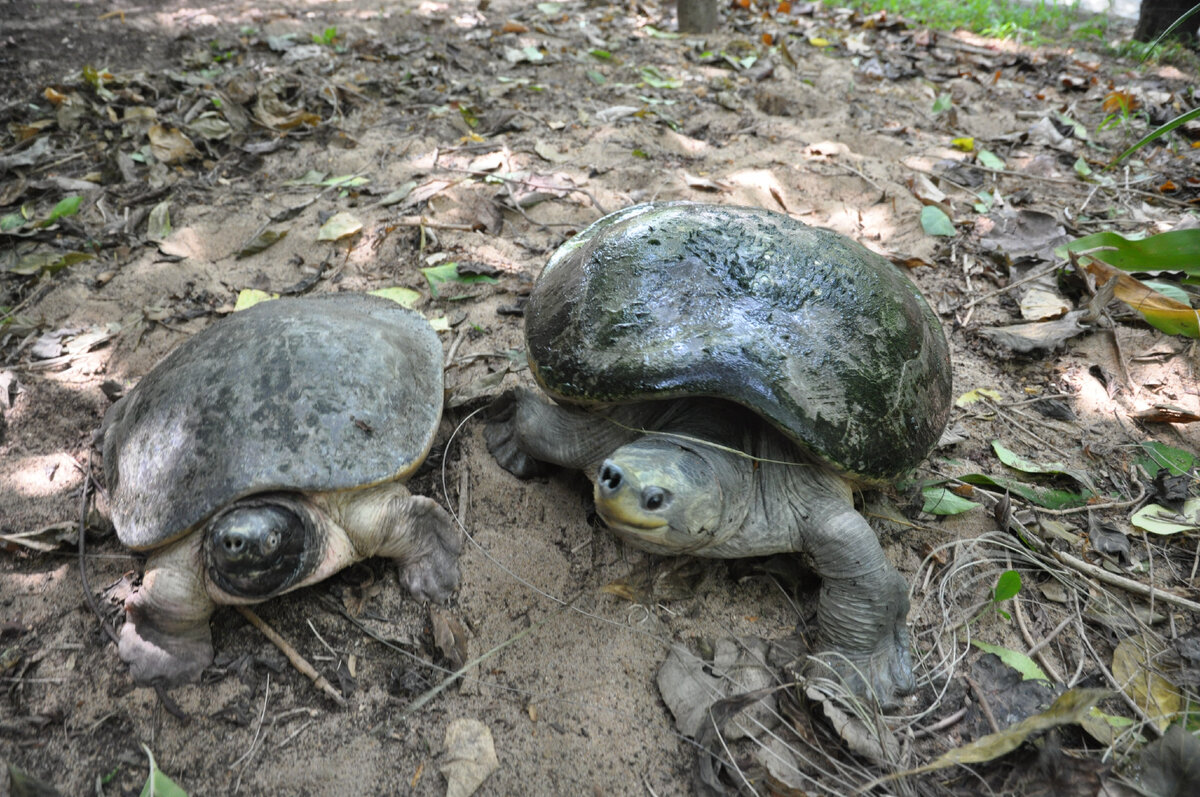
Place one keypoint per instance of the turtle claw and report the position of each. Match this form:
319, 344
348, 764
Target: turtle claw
503, 436
161, 658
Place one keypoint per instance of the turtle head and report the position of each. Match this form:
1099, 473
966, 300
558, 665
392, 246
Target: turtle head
259, 547
664, 496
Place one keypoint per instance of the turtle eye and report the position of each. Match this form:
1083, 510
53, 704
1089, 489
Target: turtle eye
654, 498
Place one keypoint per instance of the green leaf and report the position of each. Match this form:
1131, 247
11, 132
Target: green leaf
47, 261
549, 9
1161, 520
1082, 168
1169, 289
990, 159
402, 296
250, 297
660, 34
940, 500
338, 226
934, 221
263, 241
13, 221
640, 153
603, 55
67, 206
1028, 668
657, 80
977, 395
345, 181
597, 78
158, 784
158, 225
448, 272
310, 177
942, 104
1018, 462
1177, 250
1048, 497
1158, 132
1007, 586
1158, 456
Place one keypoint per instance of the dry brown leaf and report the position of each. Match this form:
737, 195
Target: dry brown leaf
1155, 696
171, 145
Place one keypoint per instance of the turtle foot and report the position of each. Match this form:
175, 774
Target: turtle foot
884, 676
503, 436
431, 573
162, 657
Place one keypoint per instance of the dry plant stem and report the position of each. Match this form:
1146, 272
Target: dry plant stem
298, 661
983, 703
421, 221
941, 724
1046, 640
1043, 272
1040, 655
1127, 584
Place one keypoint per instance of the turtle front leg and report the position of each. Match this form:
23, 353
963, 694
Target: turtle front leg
862, 609
525, 431
166, 638
412, 529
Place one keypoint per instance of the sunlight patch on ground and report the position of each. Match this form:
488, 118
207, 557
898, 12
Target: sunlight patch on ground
40, 476
20, 584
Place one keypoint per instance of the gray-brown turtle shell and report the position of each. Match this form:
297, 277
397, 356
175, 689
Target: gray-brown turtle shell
822, 337
315, 394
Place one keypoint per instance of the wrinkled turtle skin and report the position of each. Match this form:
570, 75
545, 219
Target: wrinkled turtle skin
671, 333
266, 453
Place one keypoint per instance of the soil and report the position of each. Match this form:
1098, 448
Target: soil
413, 93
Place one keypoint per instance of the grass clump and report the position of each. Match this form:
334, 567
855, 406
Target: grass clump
1048, 19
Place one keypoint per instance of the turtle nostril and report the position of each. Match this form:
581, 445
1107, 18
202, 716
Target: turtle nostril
233, 543
610, 476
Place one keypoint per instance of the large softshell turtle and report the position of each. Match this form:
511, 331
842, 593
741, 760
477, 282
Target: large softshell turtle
680, 338
267, 453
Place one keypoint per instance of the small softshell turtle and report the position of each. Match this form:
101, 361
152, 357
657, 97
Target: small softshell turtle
725, 376
267, 453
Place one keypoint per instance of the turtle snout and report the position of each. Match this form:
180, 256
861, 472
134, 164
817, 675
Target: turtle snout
256, 535
611, 478
255, 550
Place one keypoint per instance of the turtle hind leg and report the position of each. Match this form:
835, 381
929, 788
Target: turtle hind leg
503, 435
166, 638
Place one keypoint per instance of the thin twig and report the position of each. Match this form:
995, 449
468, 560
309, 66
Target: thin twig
1127, 584
298, 661
983, 703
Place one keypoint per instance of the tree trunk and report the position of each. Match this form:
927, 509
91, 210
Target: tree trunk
1156, 16
697, 16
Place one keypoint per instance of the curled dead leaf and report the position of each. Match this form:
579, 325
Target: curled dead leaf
171, 145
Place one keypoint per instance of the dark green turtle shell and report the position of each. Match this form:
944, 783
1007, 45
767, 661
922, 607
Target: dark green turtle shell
822, 337
323, 393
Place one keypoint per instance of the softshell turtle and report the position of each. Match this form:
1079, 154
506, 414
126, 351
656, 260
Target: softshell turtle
725, 375
265, 454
